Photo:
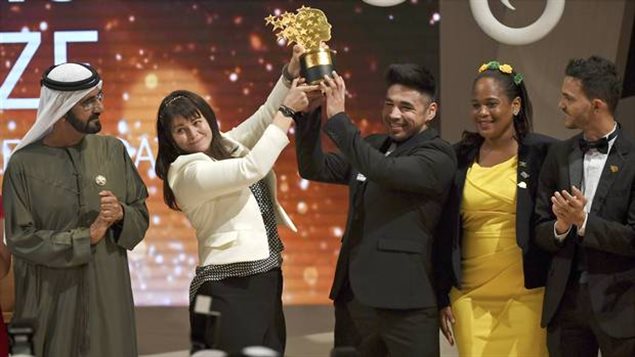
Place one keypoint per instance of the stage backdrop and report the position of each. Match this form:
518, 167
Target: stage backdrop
223, 51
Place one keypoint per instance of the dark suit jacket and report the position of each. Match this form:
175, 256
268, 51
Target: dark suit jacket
609, 239
387, 247
531, 154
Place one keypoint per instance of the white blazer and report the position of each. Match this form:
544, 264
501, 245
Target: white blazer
215, 194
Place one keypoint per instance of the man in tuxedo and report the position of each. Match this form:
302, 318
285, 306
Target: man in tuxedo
586, 210
384, 290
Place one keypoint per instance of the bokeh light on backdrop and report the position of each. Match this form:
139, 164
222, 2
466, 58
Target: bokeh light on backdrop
223, 51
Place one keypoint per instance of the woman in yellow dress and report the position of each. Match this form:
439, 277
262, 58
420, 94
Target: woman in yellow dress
491, 288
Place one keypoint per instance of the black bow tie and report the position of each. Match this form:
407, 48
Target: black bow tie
601, 145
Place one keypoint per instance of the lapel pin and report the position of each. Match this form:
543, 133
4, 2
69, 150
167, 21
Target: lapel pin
100, 180
522, 184
614, 168
522, 163
524, 175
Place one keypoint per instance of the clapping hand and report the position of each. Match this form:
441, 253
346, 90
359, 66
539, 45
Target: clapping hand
568, 209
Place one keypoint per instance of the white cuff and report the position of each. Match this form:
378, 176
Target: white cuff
582, 228
280, 133
560, 237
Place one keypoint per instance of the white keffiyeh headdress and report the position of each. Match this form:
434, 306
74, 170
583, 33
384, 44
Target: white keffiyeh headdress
63, 86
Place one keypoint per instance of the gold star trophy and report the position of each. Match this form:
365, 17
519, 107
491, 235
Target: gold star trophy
309, 28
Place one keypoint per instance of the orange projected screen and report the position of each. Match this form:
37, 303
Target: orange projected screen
223, 51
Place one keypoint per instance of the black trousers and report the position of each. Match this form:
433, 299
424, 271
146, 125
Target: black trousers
386, 332
574, 330
251, 311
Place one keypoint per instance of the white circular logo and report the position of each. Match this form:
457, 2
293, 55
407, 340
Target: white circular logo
383, 3
517, 36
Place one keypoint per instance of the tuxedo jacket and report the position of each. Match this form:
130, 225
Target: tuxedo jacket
531, 154
609, 238
395, 203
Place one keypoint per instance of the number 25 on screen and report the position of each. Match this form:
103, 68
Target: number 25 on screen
33, 40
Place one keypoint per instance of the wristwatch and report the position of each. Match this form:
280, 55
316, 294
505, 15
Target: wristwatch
287, 112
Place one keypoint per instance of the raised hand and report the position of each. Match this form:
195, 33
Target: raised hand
334, 90
297, 99
294, 63
316, 100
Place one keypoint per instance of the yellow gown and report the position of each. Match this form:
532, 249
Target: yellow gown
495, 314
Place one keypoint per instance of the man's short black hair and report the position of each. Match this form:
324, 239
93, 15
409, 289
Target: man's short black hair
412, 75
599, 79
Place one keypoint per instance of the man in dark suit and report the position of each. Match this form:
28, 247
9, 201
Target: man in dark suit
384, 288
586, 210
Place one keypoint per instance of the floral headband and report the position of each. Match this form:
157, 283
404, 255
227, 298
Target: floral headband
504, 68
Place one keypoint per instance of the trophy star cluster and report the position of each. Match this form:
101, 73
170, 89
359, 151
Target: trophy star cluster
307, 27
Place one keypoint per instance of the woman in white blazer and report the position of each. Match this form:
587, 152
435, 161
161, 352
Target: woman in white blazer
225, 185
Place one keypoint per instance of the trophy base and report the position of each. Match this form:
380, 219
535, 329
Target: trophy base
315, 64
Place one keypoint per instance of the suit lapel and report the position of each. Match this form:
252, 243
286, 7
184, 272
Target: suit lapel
576, 158
523, 197
382, 144
612, 169
359, 182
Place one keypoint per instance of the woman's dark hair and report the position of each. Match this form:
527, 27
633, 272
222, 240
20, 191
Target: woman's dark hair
599, 79
190, 106
522, 122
